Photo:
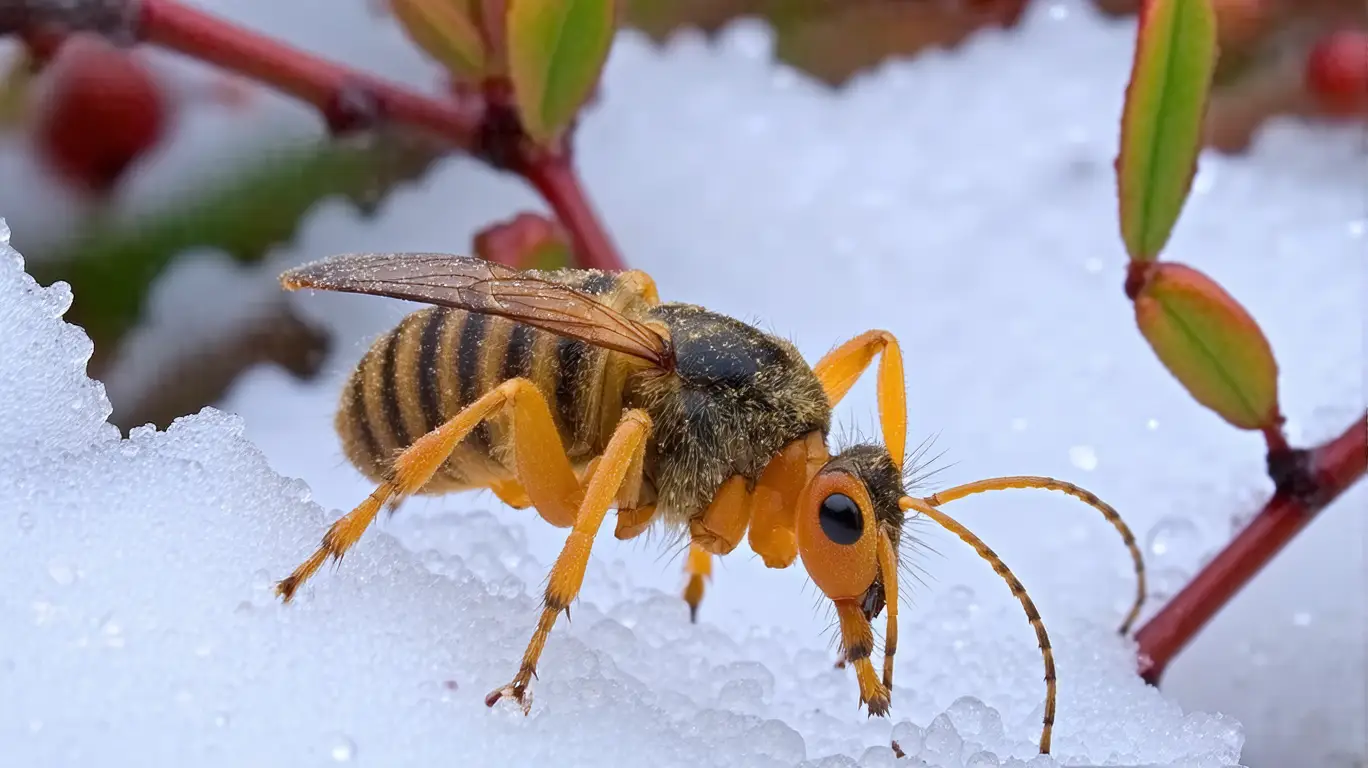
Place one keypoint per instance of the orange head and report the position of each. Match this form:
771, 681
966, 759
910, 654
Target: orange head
849, 528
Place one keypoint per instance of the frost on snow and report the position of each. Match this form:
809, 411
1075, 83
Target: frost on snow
140, 629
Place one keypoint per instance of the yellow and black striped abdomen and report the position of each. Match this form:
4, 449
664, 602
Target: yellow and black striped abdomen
440, 360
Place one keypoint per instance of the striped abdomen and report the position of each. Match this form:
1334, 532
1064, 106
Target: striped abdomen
440, 360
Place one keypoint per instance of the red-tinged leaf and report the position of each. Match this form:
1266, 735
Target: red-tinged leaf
528, 241
493, 21
446, 31
1210, 344
1161, 125
556, 50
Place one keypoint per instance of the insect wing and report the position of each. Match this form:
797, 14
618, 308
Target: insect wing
485, 287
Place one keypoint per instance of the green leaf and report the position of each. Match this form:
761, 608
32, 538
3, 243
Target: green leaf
1161, 125
1210, 344
111, 268
556, 50
445, 31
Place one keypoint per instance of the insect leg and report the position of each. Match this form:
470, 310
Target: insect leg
1087, 497
841, 368
720, 528
774, 504
618, 467
550, 482
412, 469
699, 568
1019, 591
888, 565
631, 523
511, 493
715, 532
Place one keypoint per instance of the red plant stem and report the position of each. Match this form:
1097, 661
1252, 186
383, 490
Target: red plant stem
187, 30
558, 183
1274, 438
323, 83
1335, 466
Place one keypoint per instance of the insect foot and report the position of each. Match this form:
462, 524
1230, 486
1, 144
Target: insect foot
878, 704
517, 690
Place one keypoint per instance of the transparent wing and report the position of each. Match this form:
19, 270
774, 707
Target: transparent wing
482, 286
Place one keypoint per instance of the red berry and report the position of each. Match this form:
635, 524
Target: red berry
1337, 72
102, 111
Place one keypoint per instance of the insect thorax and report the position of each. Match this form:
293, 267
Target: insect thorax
736, 397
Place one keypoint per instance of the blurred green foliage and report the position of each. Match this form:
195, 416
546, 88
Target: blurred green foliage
112, 267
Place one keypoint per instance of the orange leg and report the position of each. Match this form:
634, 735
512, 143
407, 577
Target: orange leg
774, 502
699, 568
841, 368
511, 493
546, 476
715, 532
722, 525
631, 523
617, 471
888, 565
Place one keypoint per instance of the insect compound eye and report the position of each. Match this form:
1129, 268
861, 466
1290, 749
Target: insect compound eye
834, 541
840, 519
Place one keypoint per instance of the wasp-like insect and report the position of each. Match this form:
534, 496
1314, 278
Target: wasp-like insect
576, 391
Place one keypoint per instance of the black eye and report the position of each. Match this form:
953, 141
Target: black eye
840, 519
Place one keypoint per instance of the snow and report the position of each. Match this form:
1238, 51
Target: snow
46, 409
963, 201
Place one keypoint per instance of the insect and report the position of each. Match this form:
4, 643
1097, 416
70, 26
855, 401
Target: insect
576, 391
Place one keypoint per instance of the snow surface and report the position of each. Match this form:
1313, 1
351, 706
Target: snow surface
964, 201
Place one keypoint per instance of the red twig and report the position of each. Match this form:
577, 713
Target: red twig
343, 95
1276, 440
1332, 468
558, 183
195, 33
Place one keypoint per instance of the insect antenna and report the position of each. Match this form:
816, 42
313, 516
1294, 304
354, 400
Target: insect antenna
1018, 590
1050, 484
